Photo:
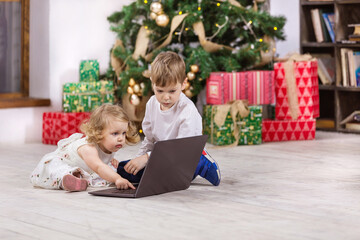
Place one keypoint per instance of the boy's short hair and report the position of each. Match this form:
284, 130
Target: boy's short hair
168, 68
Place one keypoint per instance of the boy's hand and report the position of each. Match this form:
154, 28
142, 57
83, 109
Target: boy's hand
122, 183
115, 163
136, 164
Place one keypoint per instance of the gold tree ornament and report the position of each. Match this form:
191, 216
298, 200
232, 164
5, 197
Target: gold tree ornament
156, 7
134, 99
136, 88
131, 82
188, 93
162, 20
194, 68
153, 15
130, 90
187, 85
190, 76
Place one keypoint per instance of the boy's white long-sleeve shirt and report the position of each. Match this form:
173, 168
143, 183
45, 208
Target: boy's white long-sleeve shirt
181, 120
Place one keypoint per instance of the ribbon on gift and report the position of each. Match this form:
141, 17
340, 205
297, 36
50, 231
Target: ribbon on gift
235, 107
291, 82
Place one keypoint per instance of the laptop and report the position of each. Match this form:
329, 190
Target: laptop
171, 167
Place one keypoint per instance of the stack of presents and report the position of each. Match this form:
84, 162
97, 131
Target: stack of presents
251, 107
78, 100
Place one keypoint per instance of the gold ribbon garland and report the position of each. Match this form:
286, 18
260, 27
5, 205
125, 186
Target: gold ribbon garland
232, 2
142, 40
116, 63
207, 45
141, 44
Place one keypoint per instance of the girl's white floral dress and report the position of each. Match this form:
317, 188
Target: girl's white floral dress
66, 160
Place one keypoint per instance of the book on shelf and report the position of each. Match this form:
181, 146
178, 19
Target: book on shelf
355, 36
325, 123
357, 67
350, 67
344, 66
323, 24
316, 21
329, 20
352, 126
326, 68
352, 121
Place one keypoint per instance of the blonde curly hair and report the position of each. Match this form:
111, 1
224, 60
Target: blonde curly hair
101, 117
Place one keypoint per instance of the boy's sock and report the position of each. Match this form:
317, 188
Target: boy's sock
74, 184
130, 177
208, 169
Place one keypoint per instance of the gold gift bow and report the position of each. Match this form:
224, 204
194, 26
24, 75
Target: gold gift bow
291, 82
235, 107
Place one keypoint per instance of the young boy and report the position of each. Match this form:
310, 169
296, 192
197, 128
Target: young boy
169, 114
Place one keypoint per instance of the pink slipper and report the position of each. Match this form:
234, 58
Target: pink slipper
74, 184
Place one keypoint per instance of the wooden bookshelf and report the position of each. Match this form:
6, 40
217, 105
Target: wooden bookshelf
336, 101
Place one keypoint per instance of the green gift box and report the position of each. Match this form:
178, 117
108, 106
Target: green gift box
223, 133
89, 71
86, 96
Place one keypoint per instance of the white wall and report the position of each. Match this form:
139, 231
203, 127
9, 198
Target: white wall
63, 32
289, 9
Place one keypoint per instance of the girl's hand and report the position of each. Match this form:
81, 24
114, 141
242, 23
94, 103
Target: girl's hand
115, 163
122, 183
136, 164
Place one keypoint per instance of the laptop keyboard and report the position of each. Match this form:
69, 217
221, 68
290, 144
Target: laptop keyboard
127, 191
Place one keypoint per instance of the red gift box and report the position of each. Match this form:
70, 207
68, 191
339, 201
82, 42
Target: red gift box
60, 125
301, 79
288, 130
255, 86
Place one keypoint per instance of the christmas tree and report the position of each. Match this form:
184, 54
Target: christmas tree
210, 35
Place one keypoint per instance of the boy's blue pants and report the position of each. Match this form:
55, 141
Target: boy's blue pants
136, 178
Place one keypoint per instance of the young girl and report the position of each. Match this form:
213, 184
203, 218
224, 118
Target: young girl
80, 161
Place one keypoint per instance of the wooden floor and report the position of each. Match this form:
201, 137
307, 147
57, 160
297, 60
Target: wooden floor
287, 190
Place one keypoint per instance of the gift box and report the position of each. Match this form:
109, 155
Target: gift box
60, 125
296, 89
86, 96
89, 71
255, 86
288, 130
231, 124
